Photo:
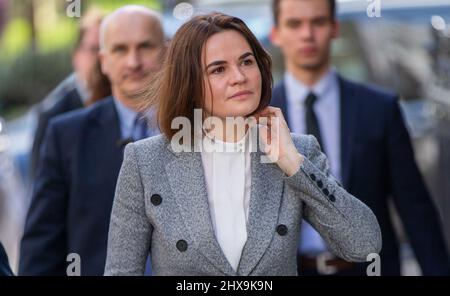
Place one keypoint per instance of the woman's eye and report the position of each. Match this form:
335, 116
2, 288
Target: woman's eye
247, 62
218, 70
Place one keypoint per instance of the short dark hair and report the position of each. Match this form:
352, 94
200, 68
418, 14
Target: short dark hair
276, 10
179, 89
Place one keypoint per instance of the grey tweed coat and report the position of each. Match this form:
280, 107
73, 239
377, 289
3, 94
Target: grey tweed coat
161, 208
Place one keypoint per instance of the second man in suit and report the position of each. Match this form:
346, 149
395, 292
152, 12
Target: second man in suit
361, 130
83, 152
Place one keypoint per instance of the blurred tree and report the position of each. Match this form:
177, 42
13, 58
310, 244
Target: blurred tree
3, 14
29, 14
36, 44
109, 5
25, 9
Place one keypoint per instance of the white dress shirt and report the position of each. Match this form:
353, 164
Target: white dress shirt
327, 110
228, 181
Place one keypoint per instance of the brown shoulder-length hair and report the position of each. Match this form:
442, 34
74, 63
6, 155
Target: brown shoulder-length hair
179, 89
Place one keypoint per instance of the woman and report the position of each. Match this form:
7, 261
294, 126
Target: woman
226, 212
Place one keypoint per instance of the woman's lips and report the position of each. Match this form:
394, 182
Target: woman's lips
241, 94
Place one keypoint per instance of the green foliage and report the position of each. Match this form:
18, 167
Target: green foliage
27, 76
16, 38
31, 76
53, 37
109, 5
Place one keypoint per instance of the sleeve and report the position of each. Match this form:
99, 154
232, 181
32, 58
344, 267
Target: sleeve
348, 226
43, 246
412, 199
130, 230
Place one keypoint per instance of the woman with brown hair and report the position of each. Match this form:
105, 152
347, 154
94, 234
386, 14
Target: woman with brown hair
225, 210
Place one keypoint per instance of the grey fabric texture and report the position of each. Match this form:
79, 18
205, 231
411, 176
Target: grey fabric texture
139, 227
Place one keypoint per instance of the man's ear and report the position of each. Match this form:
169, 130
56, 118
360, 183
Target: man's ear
336, 29
102, 59
274, 36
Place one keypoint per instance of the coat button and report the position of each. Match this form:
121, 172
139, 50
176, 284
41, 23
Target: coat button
320, 184
313, 177
182, 245
156, 199
331, 197
282, 229
325, 191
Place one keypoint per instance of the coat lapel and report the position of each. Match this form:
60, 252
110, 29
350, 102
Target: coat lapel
265, 200
101, 135
349, 113
186, 177
279, 99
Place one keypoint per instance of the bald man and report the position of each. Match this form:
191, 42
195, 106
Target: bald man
67, 224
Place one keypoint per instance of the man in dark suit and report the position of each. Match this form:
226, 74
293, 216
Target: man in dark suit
361, 130
74, 91
5, 270
83, 151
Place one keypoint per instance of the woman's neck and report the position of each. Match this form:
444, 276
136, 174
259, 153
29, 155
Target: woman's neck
231, 131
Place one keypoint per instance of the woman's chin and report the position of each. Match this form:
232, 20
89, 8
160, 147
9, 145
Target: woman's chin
244, 112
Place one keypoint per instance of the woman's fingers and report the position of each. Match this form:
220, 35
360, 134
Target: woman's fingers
264, 132
265, 116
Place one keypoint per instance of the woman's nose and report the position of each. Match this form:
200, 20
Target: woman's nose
238, 76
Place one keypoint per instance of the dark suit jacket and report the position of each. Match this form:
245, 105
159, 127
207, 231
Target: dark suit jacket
5, 270
73, 192
69, 101
378, 163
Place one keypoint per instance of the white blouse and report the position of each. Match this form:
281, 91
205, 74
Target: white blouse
228, 181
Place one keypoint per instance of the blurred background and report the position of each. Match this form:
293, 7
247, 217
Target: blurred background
407, 50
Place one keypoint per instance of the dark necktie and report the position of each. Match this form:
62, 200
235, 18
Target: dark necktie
312, 124
140, 129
